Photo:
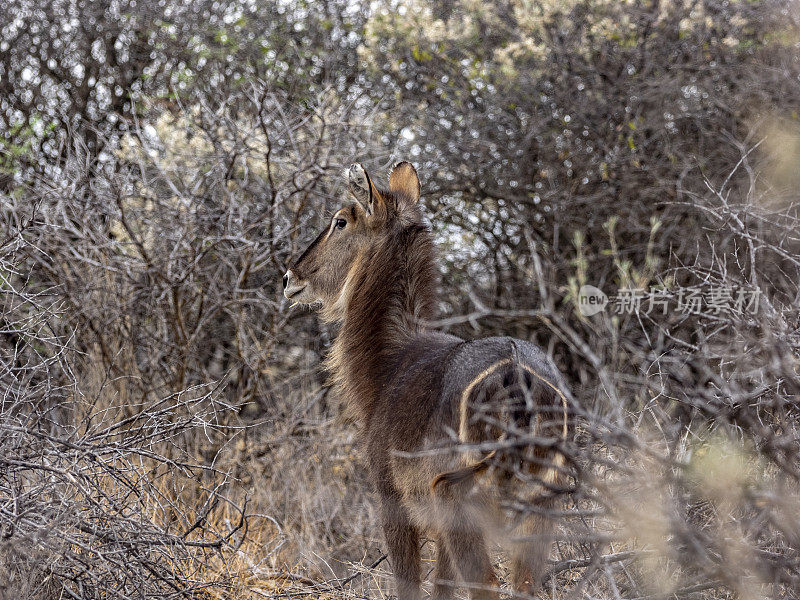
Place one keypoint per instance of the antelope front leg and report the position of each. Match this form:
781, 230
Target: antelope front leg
402, 538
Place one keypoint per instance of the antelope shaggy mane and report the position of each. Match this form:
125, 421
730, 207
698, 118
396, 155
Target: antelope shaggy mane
434, 409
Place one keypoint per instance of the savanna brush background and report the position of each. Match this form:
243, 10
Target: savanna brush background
165, 427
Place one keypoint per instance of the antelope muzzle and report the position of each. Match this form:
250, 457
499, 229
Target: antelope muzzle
293, 287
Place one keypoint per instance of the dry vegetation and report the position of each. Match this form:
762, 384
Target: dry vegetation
165, 430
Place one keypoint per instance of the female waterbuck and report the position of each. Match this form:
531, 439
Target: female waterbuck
423, 396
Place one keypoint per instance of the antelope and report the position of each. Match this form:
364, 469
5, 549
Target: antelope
423, 396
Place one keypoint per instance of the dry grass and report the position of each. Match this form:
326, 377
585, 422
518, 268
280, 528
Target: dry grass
164, 427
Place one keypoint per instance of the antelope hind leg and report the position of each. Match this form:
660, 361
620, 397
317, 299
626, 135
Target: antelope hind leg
465, 543
444, 574
529, 552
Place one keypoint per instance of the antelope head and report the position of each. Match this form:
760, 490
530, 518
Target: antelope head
320, 276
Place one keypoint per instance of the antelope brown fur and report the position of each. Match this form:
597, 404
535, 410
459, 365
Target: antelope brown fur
418, 393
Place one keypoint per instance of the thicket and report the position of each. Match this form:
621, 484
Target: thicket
165, 430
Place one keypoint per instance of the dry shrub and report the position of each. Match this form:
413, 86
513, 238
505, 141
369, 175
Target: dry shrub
156, 387
101, 495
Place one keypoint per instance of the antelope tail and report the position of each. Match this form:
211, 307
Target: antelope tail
464, 474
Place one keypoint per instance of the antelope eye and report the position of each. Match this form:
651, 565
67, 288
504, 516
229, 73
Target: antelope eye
340, 223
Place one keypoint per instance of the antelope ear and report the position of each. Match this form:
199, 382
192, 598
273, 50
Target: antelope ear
403, 181
360, 185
